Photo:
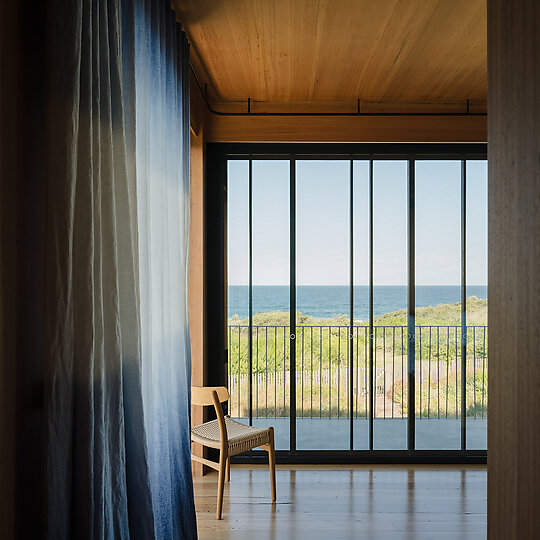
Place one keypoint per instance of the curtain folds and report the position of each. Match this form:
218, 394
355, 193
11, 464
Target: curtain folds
118, 368
162, 163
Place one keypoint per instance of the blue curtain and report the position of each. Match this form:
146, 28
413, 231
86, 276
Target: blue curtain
118, 365
162, 165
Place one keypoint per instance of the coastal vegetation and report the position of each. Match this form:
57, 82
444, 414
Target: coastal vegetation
323, 360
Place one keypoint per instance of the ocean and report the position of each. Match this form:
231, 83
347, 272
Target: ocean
330, 300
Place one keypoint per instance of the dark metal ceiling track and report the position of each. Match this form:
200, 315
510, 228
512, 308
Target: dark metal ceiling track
357, 113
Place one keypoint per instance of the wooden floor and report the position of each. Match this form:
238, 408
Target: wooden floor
350, 501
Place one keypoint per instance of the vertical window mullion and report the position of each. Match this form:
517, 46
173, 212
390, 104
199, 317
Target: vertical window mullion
250, 293
464, 305
292, 324
371, 337
351, 301
411, 306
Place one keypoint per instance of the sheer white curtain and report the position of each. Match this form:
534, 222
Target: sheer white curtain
162, 163
118, 366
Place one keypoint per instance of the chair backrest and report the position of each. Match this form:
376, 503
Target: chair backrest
213, 395
203, 395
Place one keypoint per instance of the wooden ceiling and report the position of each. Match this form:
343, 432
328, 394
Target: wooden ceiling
338, 51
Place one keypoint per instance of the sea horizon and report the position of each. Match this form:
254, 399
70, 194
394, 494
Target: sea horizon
328, 301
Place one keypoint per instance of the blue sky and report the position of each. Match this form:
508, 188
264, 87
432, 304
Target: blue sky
322, 220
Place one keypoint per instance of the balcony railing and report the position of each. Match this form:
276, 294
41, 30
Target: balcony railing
325, 356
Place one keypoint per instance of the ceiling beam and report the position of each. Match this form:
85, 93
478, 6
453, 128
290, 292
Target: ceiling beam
372, 129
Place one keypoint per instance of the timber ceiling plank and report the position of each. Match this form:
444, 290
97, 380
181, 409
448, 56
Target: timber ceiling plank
339, 50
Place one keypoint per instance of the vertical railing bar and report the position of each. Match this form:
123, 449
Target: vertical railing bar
302, 380
311, 371
266, 371
347, 378
355, 367
250, 294
357, 371
339, 369
402, 374
349, 372
275, 371
447, 363
421, 375
366, 385
457, 384
439, 372
474, 371
463, 305
375, 370
239, 364
285, 374
329, 373
257, 379
320, 370
229, 374
384, 371
393, 363
429, 367
311, 363
429, 372
411, 302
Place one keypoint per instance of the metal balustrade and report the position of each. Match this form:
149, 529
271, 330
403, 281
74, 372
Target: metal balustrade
325, 356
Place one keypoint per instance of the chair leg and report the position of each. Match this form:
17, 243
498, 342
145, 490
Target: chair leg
272, 463
221, 481
228, 470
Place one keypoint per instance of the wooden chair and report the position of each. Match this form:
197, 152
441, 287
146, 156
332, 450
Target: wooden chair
230, 437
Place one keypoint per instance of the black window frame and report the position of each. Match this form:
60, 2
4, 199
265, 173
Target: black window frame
217, 155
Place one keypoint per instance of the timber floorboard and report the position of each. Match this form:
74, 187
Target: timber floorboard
391, 502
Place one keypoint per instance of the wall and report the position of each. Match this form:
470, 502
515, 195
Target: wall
22, 226
514, 269
9, 96
197, 298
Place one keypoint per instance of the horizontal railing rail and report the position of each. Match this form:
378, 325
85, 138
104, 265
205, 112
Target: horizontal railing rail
328, 356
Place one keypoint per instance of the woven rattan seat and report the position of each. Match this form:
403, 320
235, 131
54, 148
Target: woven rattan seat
241, 438
230, 437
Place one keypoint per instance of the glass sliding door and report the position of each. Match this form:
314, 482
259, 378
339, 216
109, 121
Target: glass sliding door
476, 308
322, 305
361, 303
390, 271
438, 305
357, 301
270, 370
238, 308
